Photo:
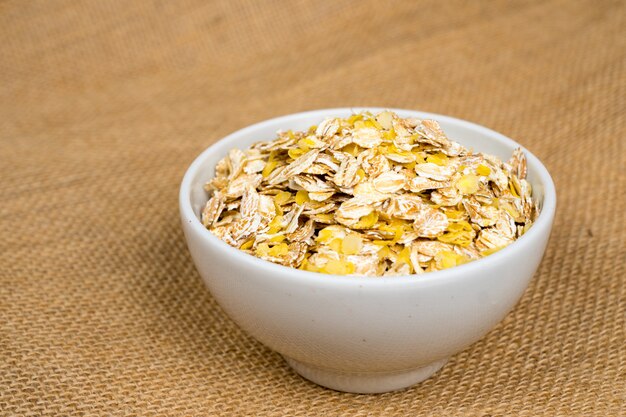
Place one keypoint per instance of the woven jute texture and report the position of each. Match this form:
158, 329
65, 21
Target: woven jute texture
104, 104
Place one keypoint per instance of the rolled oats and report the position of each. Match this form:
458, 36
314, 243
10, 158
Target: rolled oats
371, 195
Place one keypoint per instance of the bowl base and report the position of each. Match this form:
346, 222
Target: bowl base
365, 382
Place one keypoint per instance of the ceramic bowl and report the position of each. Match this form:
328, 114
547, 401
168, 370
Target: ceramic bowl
364, 334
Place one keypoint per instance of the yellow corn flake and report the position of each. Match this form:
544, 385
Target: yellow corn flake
278, 250
393, 150
395, 194
483, 170
454, 214
459, 233
325, 217
302, 197
306, 143
325, 235
269, 167
467, 184
275, 225
366, 222
335, 245
410, 166
360, 173
389, 135
262, 249
353, 149
305, 264
397, 227
448, 259
277, 239
247, 244
420, 156
513, 189
308, 266
404, 256
296, 153
491, 251
352, 244
282, 197
372, 122
397, 231
354, 118
438, 159
338, 267
384, 252
461, 226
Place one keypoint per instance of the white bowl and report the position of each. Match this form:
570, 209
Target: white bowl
364, 334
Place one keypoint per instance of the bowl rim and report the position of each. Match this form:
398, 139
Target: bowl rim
538, 229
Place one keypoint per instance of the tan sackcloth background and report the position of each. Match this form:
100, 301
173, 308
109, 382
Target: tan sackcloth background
103, 105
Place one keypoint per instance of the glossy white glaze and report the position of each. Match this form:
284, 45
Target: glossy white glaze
364, 334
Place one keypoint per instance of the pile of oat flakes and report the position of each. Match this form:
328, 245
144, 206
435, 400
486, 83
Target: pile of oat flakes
368, 195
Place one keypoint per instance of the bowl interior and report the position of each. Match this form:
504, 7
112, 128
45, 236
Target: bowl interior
470, 135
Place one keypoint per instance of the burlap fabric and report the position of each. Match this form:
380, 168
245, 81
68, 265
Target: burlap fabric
104, 104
